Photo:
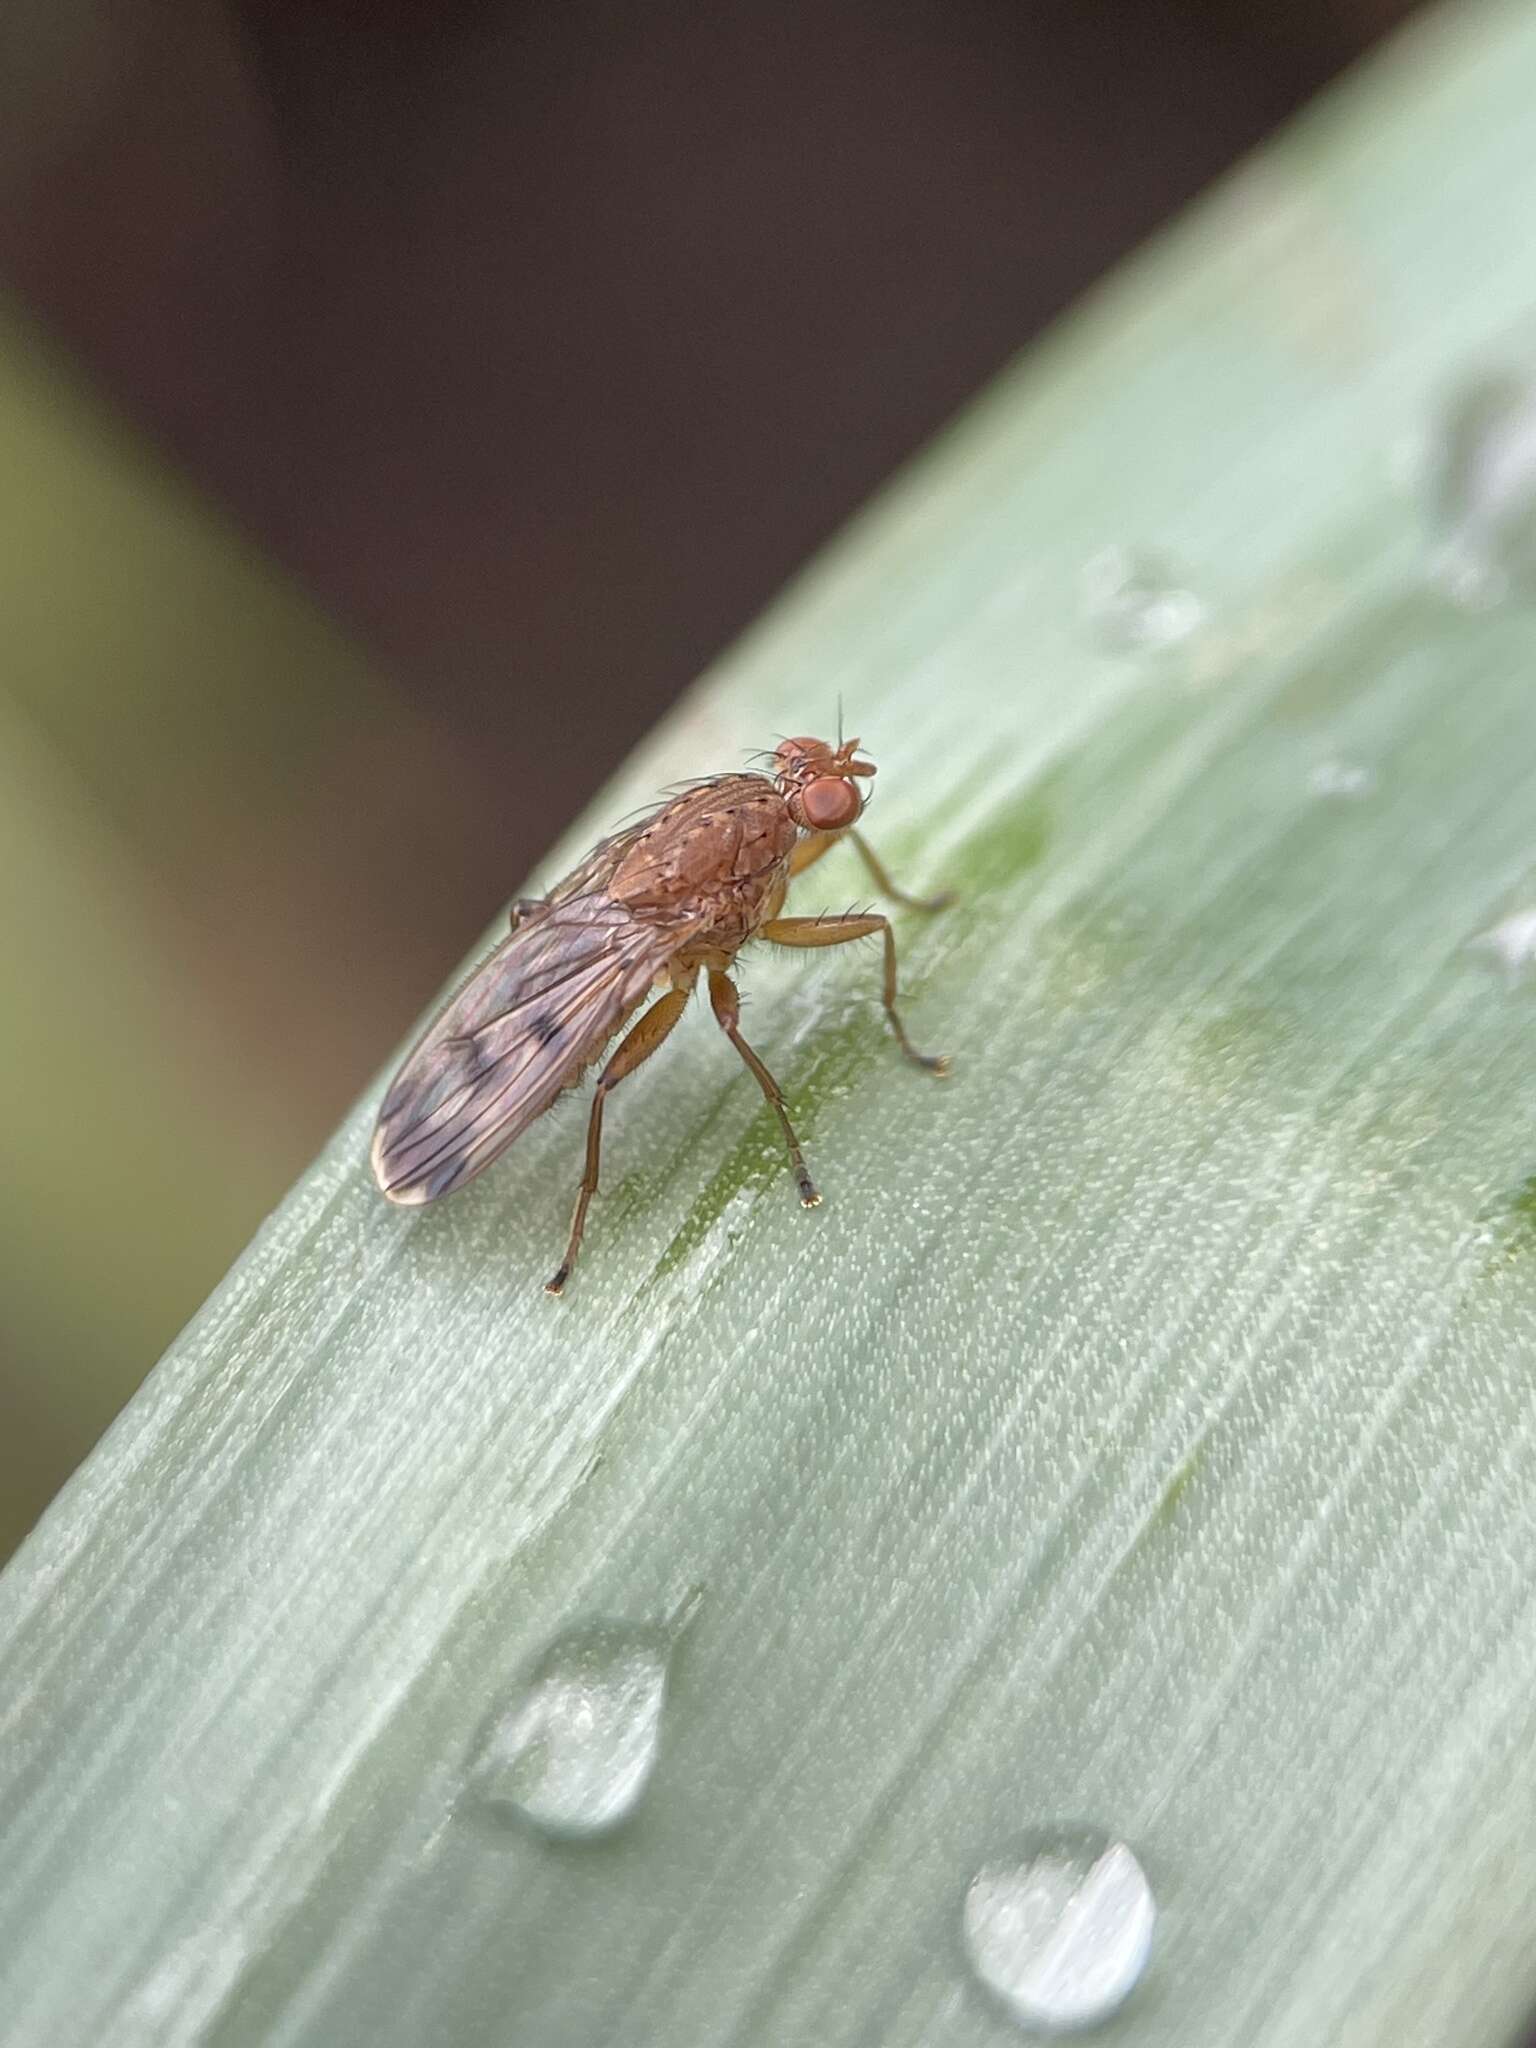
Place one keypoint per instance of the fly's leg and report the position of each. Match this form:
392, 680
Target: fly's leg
726, 1004
887, 887
522, 908
636, 1047
810, 850
842, 931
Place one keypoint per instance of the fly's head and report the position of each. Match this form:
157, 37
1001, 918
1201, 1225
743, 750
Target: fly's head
818, 783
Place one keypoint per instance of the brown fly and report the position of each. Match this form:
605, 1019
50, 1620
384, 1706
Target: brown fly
676, 894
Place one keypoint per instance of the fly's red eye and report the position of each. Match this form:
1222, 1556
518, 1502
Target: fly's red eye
830, 803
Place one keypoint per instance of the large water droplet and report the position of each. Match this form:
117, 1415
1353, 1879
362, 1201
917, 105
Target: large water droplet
1512, 942
1482, 489
572, 1750
1061, 1934
1134, 601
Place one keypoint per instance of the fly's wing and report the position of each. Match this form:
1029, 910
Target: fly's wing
519, 1032
601, 862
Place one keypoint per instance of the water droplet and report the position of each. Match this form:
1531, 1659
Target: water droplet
1060, 1935
1481, 481
1347, 779
1134, 601
572, 1750
1512, 941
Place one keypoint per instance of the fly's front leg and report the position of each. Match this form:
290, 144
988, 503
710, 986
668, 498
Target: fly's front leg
810, 849
842, 931
887, 887
637, 1046
726, 1004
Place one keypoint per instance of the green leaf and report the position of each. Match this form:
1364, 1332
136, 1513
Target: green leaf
1140, 1438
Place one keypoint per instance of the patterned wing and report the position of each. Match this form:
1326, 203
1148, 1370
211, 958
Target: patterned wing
520, 1031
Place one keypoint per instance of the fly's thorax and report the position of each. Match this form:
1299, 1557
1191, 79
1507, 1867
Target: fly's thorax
717, 850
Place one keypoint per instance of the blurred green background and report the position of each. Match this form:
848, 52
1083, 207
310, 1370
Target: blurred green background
172, 718
538, 345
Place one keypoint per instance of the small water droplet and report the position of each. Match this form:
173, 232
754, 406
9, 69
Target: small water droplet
1512, 942
1481, 481
572, 1750
1350, 780
1060, 1935
1134, 601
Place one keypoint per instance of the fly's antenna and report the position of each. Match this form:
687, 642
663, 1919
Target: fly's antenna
839, 721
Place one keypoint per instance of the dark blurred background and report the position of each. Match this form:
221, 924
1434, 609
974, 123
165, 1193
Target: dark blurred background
399, 403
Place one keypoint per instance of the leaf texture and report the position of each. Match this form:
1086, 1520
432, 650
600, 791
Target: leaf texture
1142, 1434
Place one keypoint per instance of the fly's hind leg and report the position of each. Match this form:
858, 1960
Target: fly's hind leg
726, 1004
842, 931
636, 1047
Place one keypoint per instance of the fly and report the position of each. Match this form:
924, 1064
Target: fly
676, 895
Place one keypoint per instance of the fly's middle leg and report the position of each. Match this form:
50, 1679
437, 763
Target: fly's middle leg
842, 931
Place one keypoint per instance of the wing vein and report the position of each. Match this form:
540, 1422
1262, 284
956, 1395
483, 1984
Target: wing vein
521, 1030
